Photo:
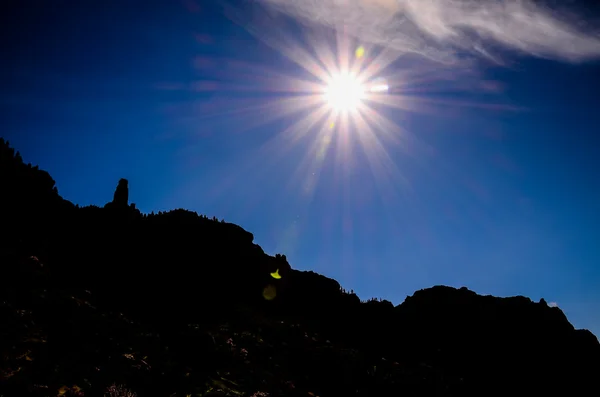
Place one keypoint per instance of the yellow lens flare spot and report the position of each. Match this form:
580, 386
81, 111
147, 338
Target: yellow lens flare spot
269, 292
331, 125
276, 274
360, 52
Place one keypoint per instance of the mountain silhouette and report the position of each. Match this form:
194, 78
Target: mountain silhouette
101, 301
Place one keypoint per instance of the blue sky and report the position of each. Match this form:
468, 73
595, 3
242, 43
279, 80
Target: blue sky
483, 173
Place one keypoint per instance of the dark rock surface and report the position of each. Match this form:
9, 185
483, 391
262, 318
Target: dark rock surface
121, 196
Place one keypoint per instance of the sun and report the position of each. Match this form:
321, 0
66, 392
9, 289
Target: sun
344, 93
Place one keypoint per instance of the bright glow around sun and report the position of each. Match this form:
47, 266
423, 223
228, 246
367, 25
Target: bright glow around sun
344, 92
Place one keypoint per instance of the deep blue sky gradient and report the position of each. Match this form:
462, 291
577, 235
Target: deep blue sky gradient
503, 201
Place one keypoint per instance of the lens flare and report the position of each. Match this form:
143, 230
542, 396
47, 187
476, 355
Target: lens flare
360, 52
344, 92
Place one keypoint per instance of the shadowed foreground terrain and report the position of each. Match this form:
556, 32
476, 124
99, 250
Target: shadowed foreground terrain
104, 301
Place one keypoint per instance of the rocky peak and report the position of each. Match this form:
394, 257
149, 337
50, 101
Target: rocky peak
121, 196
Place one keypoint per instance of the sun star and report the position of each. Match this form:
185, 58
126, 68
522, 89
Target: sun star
344, 92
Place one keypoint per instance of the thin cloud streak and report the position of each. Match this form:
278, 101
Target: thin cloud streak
447, 31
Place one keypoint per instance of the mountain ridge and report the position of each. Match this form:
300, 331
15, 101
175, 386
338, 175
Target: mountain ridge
164, 269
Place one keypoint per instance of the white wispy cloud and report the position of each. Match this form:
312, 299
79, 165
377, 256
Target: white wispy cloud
447, 30
552, 304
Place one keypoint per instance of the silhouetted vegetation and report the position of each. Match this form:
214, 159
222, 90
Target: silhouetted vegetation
112, 302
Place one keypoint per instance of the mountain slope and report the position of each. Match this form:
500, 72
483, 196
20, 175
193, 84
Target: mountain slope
176, 303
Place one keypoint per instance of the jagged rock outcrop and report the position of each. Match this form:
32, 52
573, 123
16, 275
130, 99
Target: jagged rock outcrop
121, 196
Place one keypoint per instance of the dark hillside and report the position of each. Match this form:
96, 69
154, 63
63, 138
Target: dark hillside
179, 304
